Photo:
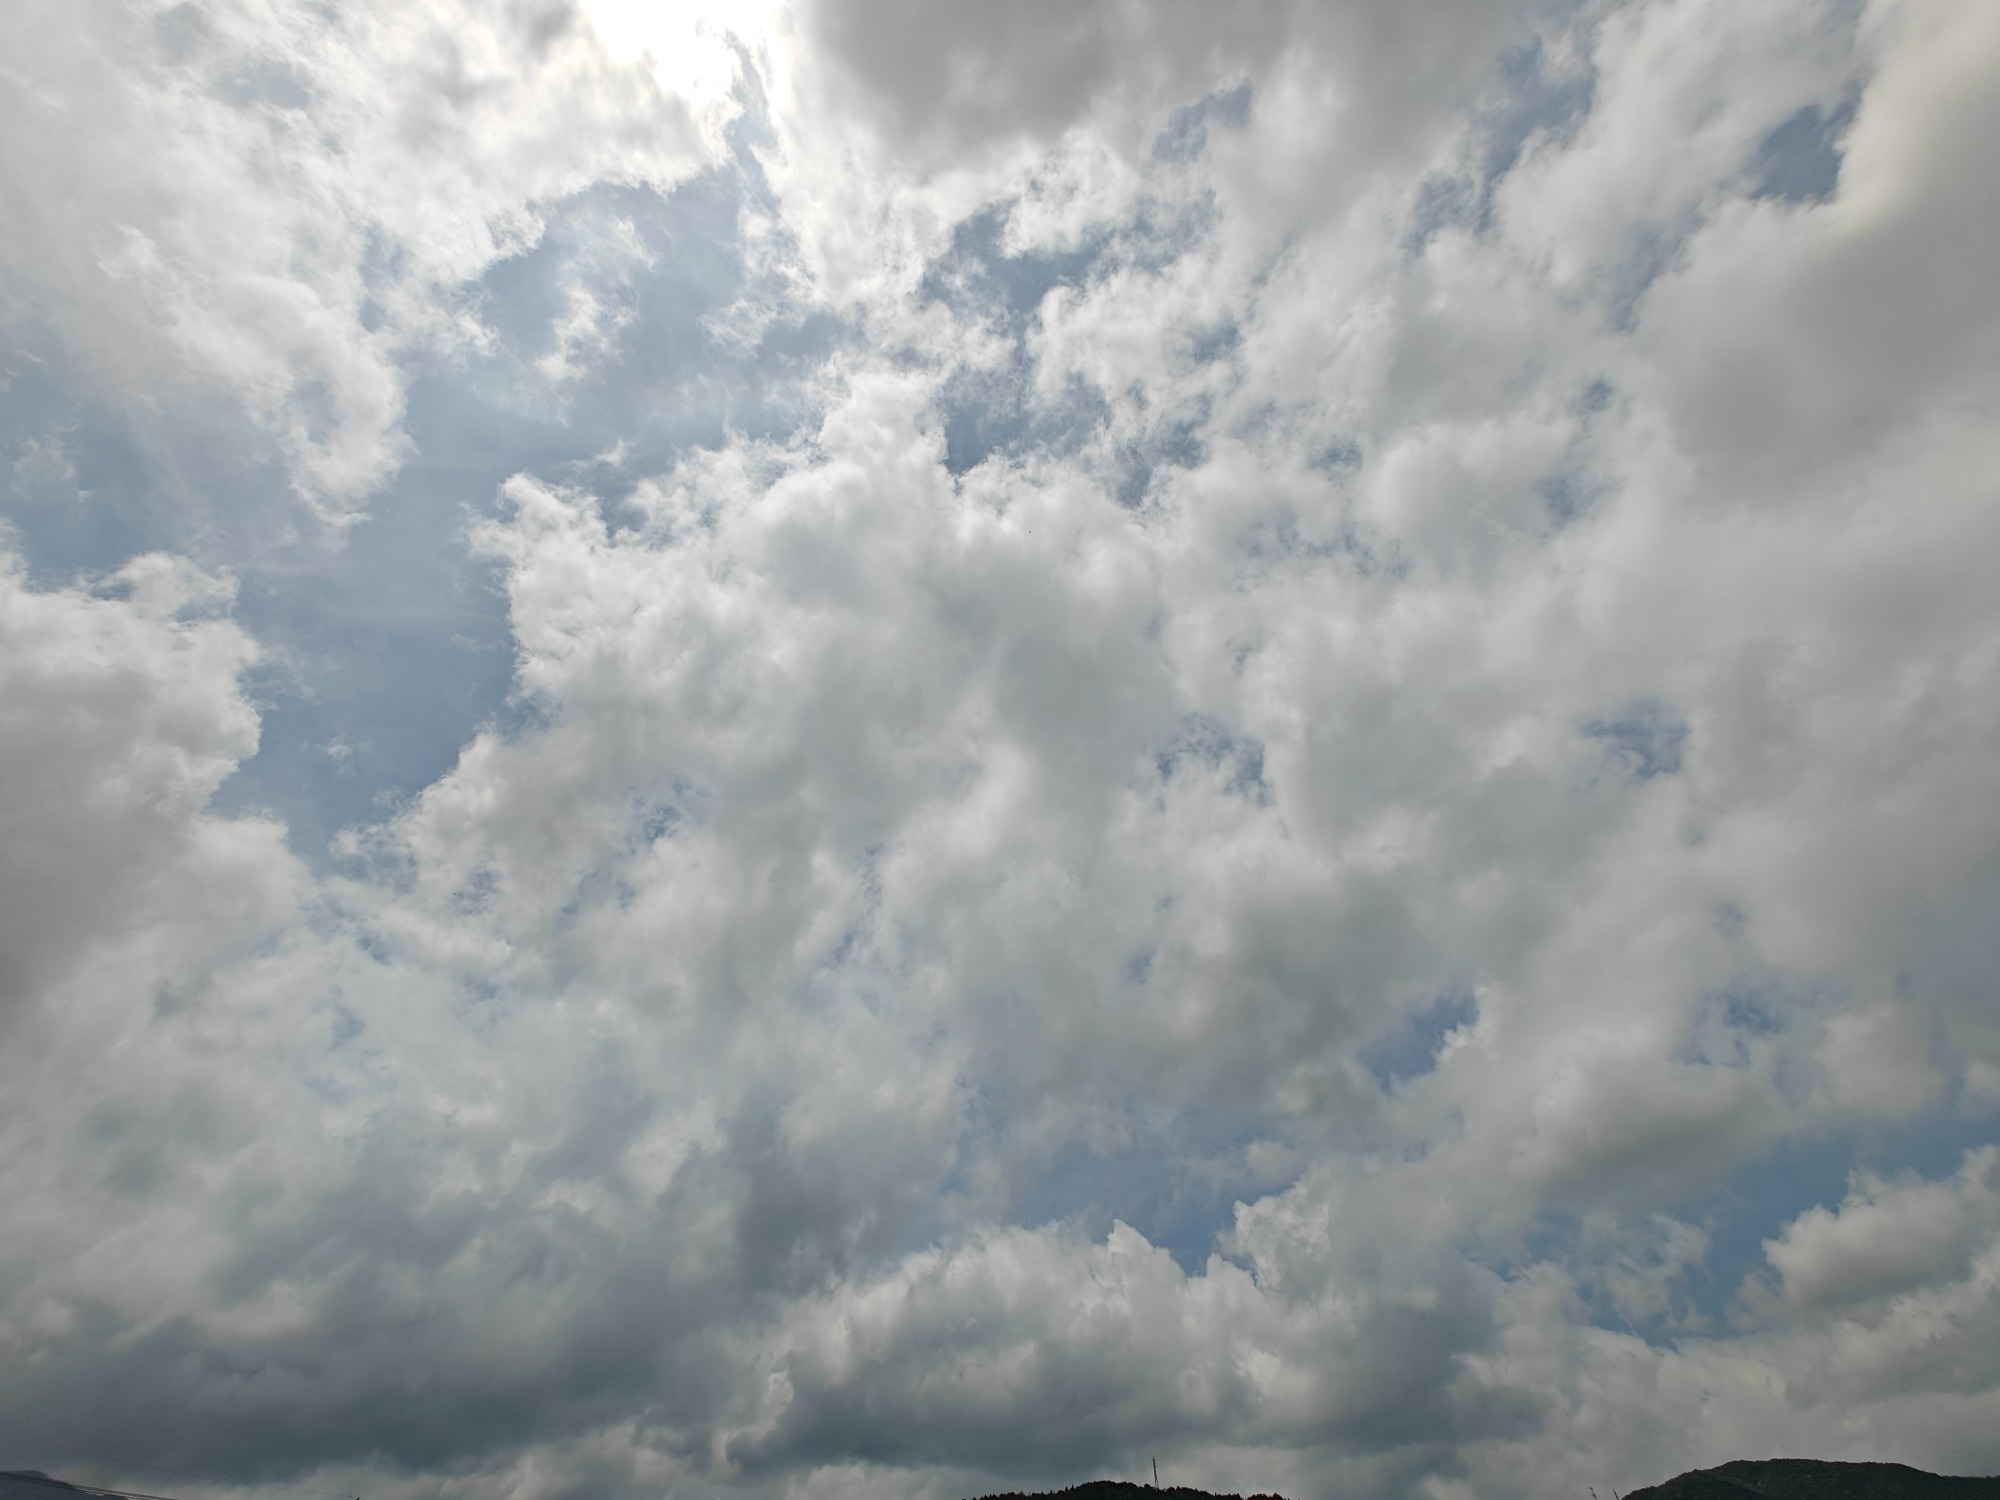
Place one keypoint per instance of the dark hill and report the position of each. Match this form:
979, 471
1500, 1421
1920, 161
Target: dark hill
1810, 1479
1746, 1479
33, 1484
1118, 1489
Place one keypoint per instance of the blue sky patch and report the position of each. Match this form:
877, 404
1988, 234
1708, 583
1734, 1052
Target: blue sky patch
1206, 743
1411, 1049
1799, 162
1647, 736
1186, 135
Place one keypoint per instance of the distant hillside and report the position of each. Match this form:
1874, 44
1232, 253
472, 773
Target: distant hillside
31, 1484
1771, 1479
1809, 1479
1118, 1489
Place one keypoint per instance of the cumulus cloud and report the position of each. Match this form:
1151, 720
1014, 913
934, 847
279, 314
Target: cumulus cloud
121, 718
1886, 1236
1218, 733
269, 199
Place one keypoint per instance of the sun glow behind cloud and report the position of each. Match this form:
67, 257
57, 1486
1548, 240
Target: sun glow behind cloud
685, 44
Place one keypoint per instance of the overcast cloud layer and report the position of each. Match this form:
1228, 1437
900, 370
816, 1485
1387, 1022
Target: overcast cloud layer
870, 748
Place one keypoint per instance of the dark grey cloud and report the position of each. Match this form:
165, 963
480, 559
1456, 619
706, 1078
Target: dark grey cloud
955, 80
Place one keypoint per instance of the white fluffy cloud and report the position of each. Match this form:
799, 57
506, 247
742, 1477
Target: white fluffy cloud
121, 717
266, 200
1348, 707
1887, 1236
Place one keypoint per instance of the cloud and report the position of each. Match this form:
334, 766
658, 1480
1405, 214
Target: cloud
960, 80
1886, 1237
1215, 801
121, 717
267, 202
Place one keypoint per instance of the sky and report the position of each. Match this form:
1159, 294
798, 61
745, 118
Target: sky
849, 748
